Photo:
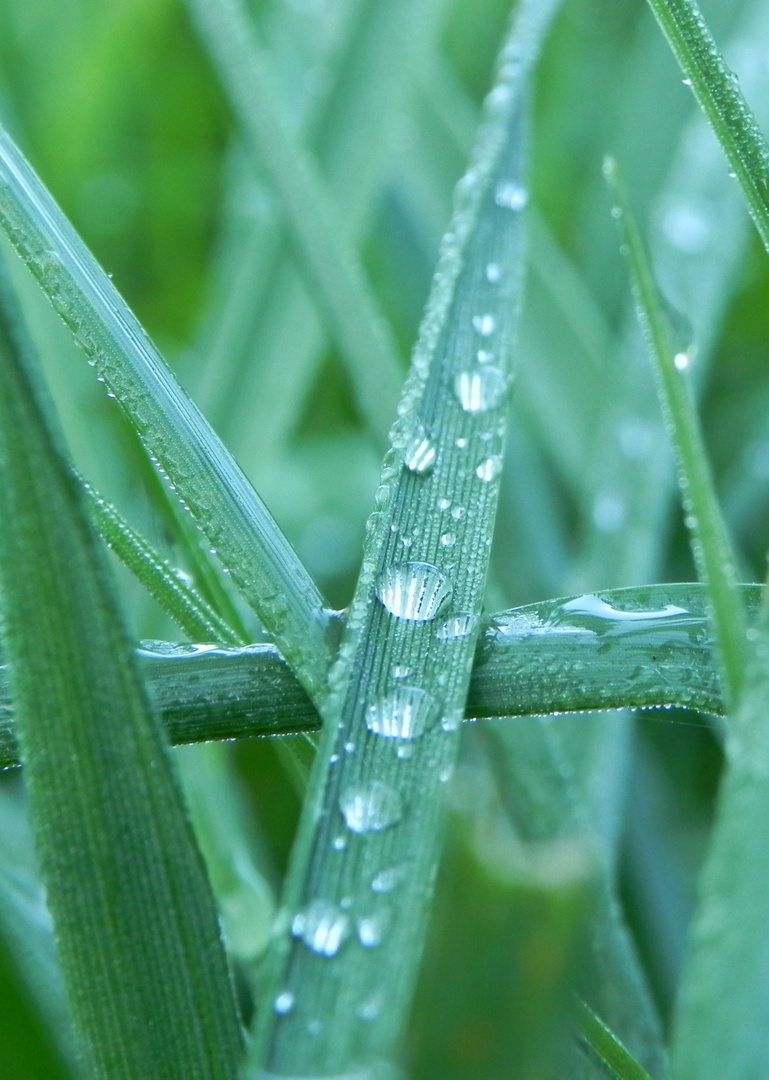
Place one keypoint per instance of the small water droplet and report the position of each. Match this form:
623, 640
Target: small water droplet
686, 82
493, 272
371, 1007
284, 1003
484, 356
405, 713
460, 625
420, 452
511, 195
461, 443
371, 807
339, 843
448, 539
490, 468
682, 360
322, 926
443, 504
687, 229
388, 879
371, 930
413, 590
485, 325
458, 512
401, 671
480, 389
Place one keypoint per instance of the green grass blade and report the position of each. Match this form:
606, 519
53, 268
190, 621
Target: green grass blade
347, 952
710, 542
718, 93
228, 510
315, 227
606, 1046
137, 933
641, 648
723, 1005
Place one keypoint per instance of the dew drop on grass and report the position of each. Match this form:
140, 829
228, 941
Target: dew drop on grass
284, 1003
420, 452
493, 272
511, 195
448, 539
371, 930
480, 389
485, 325
370, 807
388, 879
490, 468
322, 926
414, 591
405, 713
682, 360
460, 625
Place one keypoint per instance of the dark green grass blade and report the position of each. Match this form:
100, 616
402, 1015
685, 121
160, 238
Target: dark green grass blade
176, 435
646, 648
718, 93
137, 933
711, 546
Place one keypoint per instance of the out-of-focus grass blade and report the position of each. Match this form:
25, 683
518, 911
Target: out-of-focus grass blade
315, 226
718, 92
228, 510
710, 542
606, 1046
136, 928
642, 648
168, 586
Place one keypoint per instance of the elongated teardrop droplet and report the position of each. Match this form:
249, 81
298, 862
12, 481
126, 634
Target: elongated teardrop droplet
480, 388
420, 451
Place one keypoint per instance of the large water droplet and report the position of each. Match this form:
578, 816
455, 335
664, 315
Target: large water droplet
511, 195
414, 591
420, 451
480, 389
370, 807
485, 325
406, 713
490, 468
322, 926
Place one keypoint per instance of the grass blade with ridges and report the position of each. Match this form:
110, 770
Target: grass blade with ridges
711, 546
606, 1046
226, 507
137, 932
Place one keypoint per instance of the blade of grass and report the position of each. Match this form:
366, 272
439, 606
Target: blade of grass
137, 933
606, 1046
647, 648
346, 958
718, 94
315, 227
710, 542
181, 443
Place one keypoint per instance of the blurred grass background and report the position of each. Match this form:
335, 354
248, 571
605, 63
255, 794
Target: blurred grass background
116, 106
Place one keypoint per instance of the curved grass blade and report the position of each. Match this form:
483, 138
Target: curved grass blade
137, 933
315, 227
606, 1046
181, 443
711, 546
167, 585
718, 93
346, 958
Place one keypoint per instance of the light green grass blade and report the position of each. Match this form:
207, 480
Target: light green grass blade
722, 1015
315, 227
345, 961
167, 585
137, 933
227, 509
718, 93
606, 1046
641, 648
710, 542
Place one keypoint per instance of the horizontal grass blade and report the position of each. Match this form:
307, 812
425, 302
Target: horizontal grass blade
711, 546
137, 934
176, 435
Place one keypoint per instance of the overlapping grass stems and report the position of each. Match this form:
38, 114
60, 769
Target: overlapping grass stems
351, 923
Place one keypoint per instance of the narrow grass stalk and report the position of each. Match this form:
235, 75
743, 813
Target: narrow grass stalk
168, 586
606, 1046
718, 93
711, 546
315, 226
137, 933
176, 435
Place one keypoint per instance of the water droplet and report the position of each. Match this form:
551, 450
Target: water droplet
322, 926
284, 1003
485, 325
511, 195
493, 272
460, 625
371, 1007
420, 451
608, 512
490, 468
458, 512
480, 389
339, 843
461, 443
443, 504
682, 360
401, 671
687, 229
484, 356
448, 539
371, 807
371, 930
405, 713
686, 82
388, 879
413, 590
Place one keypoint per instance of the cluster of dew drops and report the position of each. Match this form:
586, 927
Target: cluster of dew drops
417, 592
